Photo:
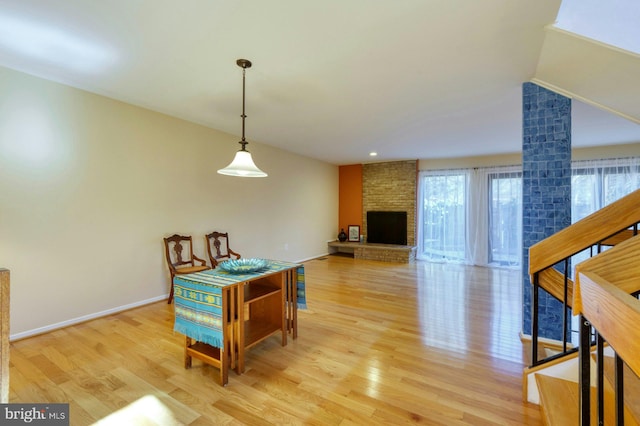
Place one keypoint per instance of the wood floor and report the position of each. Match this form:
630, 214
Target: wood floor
380, 343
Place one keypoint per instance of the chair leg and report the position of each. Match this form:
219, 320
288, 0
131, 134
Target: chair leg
170, 295
171, 292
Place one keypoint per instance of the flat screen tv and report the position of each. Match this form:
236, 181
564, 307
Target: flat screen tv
387, 227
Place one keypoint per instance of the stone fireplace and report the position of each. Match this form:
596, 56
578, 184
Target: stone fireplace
388, 188
391, 187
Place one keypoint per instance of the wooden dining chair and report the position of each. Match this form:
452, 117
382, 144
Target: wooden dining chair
218, 248
180, 262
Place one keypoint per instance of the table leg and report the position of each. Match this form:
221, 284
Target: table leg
288, 301
240, 330
294, 302
283, 290
224, 354
233, 325
291, 302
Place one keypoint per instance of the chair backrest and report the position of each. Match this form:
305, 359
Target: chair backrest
175, 246
218, 247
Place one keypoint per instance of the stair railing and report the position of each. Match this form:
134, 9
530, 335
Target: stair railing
608, 226
603, 302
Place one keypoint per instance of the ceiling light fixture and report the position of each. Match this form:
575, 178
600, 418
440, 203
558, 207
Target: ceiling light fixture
242, 164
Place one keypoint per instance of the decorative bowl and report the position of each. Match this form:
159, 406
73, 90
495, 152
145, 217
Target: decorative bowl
243, 266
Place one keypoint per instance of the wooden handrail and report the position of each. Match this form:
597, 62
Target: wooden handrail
614, 313
553, 282
4, 335
619, 265
594, 228
621, 236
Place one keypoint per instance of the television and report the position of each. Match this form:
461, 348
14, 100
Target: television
387, 227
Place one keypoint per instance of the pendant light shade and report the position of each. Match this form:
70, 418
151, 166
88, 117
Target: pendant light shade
242, 164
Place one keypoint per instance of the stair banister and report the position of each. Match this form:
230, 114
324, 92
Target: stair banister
602, 299
614, 313
601, 226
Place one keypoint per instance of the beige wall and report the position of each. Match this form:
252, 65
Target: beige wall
89, 187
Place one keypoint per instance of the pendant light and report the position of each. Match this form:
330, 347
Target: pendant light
242, 164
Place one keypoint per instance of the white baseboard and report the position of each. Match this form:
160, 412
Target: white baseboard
56, 326
311, 258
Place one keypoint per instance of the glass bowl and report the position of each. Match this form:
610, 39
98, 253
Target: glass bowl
243, 266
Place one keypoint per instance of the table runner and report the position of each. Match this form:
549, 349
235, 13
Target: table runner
301, 290
300, 284
198, 299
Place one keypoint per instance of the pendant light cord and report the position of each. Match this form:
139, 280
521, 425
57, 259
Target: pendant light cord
242, 164
243, 142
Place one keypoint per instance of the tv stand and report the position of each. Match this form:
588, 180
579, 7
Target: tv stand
372, 251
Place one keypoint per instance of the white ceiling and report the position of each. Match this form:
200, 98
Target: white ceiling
331, 79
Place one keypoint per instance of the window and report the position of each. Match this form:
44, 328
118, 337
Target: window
474, 216
595, 184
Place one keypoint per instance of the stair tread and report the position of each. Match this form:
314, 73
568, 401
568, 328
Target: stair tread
560, 402
631, 385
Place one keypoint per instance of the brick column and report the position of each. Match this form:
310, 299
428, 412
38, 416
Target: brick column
546, 189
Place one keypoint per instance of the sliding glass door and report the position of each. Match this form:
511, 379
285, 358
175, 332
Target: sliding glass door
471, 216
444, 216
505, 218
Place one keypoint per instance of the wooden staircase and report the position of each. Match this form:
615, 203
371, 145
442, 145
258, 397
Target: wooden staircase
601, 293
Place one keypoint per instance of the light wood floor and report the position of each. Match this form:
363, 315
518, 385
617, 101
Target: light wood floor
380, 343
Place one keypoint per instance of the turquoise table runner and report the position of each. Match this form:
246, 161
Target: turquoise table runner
198, 299
300, 286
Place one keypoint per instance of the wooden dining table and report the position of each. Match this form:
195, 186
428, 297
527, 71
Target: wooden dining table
222, 314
